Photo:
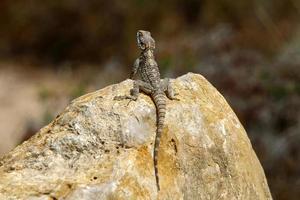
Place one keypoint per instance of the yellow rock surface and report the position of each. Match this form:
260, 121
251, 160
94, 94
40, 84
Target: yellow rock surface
99, 148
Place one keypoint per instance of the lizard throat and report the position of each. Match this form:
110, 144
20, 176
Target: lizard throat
148, 53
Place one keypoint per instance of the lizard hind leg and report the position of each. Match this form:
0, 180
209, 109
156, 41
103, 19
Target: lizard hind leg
140, 85
167, 88
137, 86
135, 91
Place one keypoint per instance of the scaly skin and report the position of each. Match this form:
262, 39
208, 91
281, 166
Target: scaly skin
152, 85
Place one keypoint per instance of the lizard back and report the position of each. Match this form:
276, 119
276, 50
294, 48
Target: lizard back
149, 70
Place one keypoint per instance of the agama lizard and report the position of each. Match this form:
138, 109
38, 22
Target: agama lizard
152, 85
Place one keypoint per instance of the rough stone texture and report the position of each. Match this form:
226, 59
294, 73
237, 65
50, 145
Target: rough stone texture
99, 148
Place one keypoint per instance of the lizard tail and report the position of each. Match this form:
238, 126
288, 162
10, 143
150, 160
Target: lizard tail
160, 102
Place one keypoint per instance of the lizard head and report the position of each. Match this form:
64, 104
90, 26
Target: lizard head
144, 40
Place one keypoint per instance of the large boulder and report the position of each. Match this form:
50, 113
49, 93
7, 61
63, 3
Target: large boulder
100, 148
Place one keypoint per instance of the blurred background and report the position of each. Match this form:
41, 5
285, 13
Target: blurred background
53, 51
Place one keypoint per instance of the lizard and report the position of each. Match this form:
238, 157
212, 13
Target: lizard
151, 84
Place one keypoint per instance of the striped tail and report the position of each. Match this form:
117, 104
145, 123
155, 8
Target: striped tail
159, 99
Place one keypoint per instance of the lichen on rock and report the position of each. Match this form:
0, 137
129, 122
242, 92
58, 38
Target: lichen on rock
99, 148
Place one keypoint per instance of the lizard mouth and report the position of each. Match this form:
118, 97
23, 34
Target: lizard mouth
140, 43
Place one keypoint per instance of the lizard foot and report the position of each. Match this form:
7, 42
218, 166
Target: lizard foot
120, 98
173, 97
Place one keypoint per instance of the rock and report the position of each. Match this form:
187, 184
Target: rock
99, 148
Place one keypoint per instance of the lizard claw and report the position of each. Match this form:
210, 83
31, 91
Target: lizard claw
120, 98
130, 100
173, 97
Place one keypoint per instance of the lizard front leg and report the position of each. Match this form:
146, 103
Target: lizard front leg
135, 68
167, 88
